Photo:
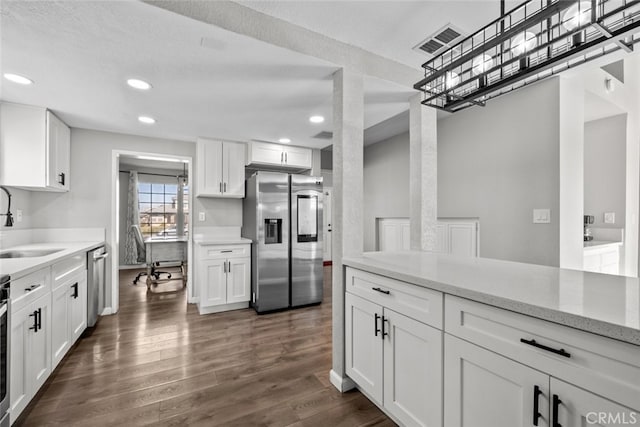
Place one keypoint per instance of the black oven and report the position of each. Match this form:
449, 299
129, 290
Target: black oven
5, 354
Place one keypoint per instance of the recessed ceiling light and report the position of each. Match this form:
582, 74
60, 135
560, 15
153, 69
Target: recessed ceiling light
284, 140
146, 120
139, 84
316, 119
16, 78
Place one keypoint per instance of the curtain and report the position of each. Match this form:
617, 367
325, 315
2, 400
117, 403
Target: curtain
133, 218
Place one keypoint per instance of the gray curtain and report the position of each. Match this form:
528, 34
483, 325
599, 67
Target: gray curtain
133, 218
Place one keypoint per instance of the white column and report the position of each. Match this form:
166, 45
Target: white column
423, 175
347, 228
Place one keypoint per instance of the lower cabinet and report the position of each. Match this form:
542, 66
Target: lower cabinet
69, 315
30, 352
223, 275
395, 360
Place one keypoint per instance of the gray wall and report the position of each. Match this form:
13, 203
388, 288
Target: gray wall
386, 183
605, 148
500, 162
20, 199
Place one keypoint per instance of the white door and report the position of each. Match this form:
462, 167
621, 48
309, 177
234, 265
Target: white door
363, 339
40, 344
238, 280
19, 381
576, 407
209, 167
264, 153
462, 239
60, 330
297, 157
412, 371
213, 282
78, 317
326, 213
484, 389
233, 165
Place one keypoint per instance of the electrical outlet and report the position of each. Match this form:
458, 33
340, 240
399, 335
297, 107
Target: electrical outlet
202, 216
609, 218
18, 215
541, 216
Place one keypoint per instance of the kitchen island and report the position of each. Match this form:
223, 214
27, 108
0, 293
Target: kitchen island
439, 340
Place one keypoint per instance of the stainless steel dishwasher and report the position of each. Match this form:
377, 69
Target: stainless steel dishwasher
95, 284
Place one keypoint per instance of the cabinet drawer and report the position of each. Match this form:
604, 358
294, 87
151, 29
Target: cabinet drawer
28, 288
424, 305
63, 270
223, 252
603, 365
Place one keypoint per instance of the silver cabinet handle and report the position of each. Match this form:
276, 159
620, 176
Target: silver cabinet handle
285, 157
225, 187
221, 187
282, 157
224, 267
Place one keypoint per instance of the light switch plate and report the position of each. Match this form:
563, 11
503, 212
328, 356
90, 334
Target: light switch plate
609, 218
19, 215
541, 216
201, 216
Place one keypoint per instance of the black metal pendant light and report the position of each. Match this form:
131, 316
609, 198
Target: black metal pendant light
535, 40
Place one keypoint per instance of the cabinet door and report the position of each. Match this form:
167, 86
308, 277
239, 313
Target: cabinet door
298, 157
58, 153
78, 305
238, 280
209, 168
19, 385
60, 323
40, 344
484, 389
266, 154
364, 344
213, 282
412, 370
577, 407
233, 165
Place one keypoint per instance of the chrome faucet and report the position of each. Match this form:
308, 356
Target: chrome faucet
9, 222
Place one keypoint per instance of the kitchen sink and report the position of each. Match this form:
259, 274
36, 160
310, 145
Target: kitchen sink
28, 253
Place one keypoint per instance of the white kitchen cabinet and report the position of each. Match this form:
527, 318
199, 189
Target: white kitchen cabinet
279, 156
68, 315
78, 316
395, 360
483, 388
30, 352
223, 276
220, 169
602, 258
35, 149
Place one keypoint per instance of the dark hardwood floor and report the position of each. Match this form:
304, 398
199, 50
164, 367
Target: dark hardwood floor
158, 362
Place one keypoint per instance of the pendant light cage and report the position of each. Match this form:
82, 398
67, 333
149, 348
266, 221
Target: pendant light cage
536, 40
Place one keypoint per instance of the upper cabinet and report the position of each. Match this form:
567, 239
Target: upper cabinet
35, 148
220, 169
279, 156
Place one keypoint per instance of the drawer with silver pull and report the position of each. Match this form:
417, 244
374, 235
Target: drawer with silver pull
28, 288
223, 251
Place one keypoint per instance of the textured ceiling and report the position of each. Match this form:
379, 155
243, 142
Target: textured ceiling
207, 81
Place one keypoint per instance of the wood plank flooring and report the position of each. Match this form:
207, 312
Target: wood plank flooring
158, 362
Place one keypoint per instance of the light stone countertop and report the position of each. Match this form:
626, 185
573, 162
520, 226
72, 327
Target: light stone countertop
20, 267
601, 244
222, 241
598, 303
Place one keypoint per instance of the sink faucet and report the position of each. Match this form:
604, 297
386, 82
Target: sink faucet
9, 222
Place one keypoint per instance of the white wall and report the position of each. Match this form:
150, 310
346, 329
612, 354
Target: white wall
498, 163
605, 152
20, 199
386, 184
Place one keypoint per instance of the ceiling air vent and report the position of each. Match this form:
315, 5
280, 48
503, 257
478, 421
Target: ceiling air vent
441, 40
324, 135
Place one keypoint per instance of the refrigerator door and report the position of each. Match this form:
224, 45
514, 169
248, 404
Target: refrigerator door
272, 246
306, 240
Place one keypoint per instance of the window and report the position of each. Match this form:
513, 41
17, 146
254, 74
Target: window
158, 206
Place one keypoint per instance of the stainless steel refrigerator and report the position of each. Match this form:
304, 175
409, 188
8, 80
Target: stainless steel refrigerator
282, 214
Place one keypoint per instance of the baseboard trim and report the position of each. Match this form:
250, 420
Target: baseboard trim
341, 383
107, 311
223, 307
326, 263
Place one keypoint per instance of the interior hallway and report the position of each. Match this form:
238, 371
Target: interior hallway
157, 362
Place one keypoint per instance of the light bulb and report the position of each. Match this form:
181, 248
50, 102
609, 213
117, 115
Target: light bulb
523, 42
577, 15
481, 63
451, 79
